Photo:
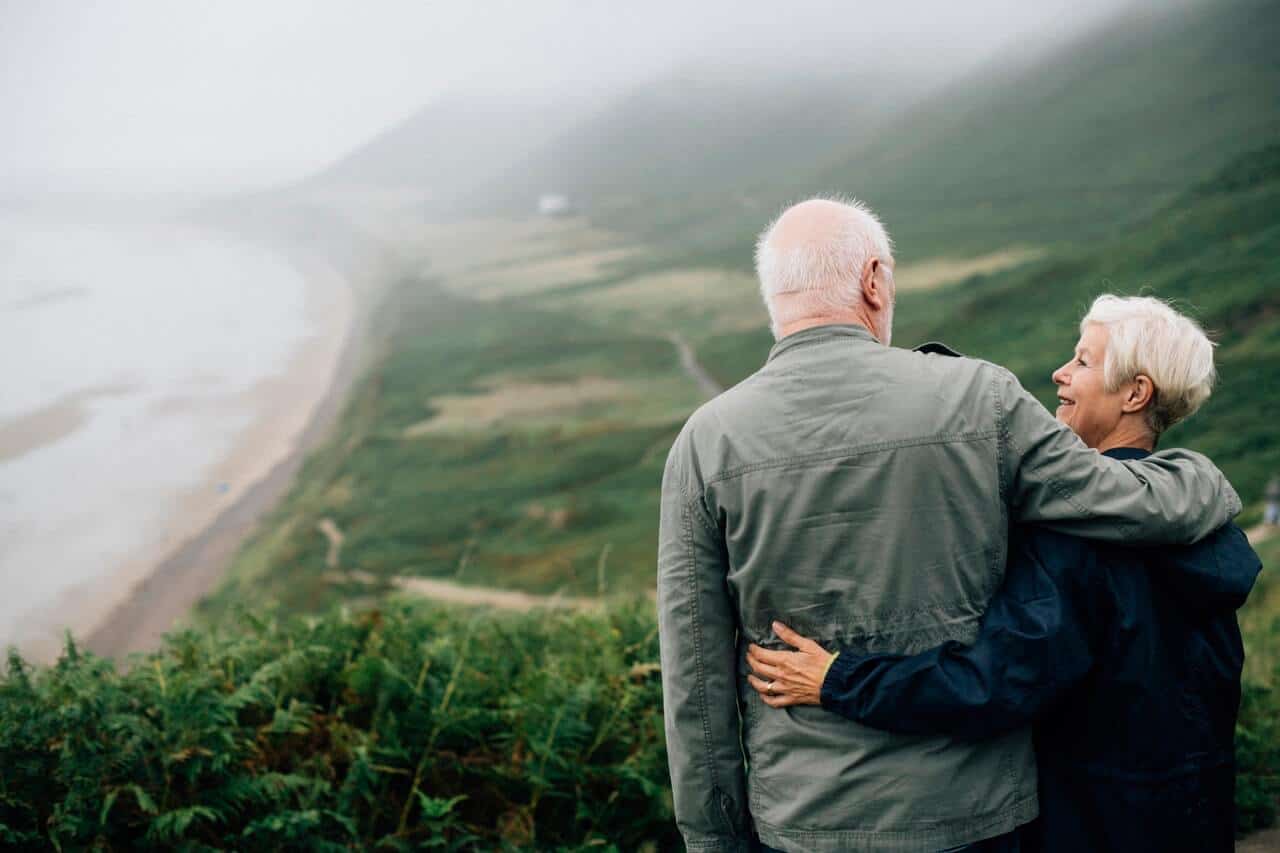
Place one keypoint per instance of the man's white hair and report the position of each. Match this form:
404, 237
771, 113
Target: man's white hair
1147, 336
827, 270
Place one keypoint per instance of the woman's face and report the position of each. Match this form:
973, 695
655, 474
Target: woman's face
1083, 403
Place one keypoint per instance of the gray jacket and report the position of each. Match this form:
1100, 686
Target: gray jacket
862, 495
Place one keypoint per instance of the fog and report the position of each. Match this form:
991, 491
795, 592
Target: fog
157, 96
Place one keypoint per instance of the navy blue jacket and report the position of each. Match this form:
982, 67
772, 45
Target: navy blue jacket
1127, 659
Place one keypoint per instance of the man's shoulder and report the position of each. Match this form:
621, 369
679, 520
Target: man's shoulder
728, 408
937, 365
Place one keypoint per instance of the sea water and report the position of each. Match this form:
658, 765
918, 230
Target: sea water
126, 352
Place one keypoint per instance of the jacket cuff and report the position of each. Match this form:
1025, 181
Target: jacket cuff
829, 663
838, 672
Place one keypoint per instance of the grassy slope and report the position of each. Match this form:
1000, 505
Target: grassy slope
1100, 136
557, 499
1031, 149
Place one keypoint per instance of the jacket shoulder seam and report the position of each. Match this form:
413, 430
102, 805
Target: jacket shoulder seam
856, 450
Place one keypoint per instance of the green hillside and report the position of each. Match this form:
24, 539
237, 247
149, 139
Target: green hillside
705, 133
1101, 134
1030, 149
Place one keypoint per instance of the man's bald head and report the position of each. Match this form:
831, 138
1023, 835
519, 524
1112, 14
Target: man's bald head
814, 261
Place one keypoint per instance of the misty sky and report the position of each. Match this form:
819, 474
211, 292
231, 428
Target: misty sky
174, 94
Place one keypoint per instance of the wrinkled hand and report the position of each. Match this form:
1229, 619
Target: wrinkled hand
789, 678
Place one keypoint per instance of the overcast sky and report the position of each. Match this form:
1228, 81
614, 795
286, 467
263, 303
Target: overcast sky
180, 94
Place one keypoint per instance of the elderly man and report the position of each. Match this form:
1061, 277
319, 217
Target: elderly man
863, 494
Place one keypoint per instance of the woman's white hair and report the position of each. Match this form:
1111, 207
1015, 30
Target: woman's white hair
827, 270
1146, 336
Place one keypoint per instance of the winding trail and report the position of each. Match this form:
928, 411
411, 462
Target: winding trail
452, 592
689, 362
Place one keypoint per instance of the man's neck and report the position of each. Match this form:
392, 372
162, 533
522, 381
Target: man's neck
826, 320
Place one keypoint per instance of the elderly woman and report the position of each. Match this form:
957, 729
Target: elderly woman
1126, 660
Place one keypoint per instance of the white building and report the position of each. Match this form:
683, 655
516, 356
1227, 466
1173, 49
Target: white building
553, 204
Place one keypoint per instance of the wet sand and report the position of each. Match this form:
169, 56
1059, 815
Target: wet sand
131, 607
62, 417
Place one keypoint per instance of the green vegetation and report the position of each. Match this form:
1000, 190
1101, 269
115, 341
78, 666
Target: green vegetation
1098, 136
405, 728
1258, 729
475, 451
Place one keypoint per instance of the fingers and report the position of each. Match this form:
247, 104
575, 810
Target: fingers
791, 638
767, 656
763, 669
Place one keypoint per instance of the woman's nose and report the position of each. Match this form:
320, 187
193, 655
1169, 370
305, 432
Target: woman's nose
1060, 375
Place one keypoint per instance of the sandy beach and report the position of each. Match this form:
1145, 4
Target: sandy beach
132, 605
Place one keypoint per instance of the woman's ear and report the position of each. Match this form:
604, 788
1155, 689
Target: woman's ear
1141, 392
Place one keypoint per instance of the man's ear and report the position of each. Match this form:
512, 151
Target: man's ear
873, 290
1141, 393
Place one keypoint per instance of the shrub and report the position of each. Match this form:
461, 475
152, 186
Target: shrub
408, 727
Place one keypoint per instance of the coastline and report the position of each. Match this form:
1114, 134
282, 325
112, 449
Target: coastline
133, 605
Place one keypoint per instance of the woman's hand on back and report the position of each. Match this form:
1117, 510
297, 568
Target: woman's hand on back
789, 678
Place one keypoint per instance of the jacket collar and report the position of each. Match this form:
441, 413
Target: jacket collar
820, 333
1123, 453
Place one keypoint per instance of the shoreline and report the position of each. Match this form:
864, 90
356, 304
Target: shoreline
156, 589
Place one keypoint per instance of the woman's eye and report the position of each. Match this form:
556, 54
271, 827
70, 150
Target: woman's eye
1080, 361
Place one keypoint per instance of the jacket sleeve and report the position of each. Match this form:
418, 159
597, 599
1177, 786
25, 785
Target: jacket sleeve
1049, 476
697, 638
1039, 637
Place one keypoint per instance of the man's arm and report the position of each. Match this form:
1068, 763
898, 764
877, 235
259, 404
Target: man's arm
1049, 476
697, 638
1039, 638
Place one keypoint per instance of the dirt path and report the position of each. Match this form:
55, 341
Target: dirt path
1265, 841
689, 362
451, 592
